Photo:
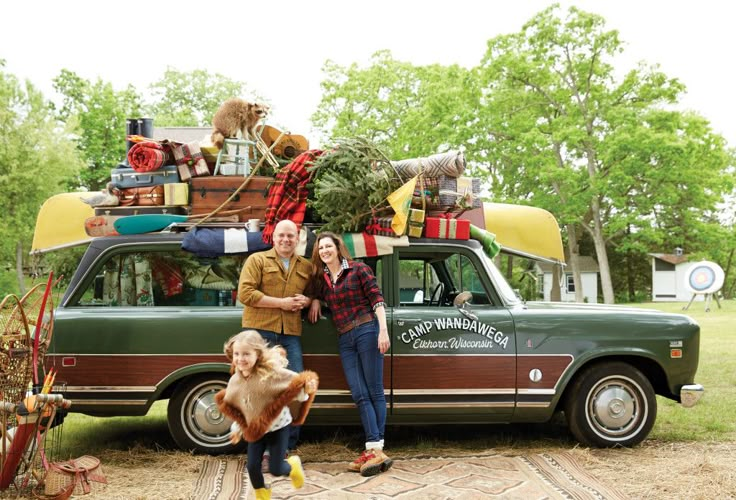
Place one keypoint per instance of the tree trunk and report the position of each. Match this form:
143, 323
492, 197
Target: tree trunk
573, 249
19, 268
630, 277
554, 291
601, 254
728, 290
597, 227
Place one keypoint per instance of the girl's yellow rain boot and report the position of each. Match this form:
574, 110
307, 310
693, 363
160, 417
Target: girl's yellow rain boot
263, 494
297, 472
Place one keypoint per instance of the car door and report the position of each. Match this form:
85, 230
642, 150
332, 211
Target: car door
446, 365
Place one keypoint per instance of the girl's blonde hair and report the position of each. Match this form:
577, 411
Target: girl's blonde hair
269, 358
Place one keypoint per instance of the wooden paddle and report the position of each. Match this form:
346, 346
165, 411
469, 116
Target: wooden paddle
147, 223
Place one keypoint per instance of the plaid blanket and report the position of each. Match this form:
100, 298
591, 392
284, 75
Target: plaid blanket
287, 197
147, 156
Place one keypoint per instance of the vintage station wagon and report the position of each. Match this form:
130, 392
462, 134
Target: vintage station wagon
465, 348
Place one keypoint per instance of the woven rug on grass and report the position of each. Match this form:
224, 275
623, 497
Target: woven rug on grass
553, 476
222, 479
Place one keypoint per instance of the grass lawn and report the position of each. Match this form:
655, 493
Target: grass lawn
712, 419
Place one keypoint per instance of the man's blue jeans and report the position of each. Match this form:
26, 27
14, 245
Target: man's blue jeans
362, 363
293, 346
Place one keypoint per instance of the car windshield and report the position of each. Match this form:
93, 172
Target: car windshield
502, 286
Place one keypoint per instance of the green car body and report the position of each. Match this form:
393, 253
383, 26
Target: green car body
464, 348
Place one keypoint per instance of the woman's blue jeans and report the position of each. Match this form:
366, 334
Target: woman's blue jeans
293, 346
362, 363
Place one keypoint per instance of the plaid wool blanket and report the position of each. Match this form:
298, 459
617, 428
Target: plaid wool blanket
287, 197
148, 156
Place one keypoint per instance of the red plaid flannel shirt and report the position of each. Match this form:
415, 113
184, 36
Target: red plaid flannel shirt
356, 293
287, 197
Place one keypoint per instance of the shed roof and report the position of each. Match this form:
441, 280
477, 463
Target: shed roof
586, 263
182, 134
670, 258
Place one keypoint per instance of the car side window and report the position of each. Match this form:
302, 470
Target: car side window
465, 277
417, 279
437, 278
144, 279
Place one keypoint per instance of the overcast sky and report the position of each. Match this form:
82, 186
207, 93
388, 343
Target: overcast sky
279, 47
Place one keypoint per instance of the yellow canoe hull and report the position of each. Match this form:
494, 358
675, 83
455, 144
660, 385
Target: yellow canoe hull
60, 222
526, 231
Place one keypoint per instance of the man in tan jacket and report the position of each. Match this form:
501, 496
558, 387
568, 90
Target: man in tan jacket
272, 287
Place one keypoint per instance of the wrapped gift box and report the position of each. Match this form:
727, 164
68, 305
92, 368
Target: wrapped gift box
416, 223
176, 194
381, 226
441, 227
189, 161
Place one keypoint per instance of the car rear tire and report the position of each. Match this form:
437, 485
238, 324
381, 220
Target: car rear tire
195, 422
611, 404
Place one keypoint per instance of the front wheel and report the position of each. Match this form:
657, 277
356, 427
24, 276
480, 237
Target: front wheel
194, 420
611, 404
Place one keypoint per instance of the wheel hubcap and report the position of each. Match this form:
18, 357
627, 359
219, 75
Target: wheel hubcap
615, 408
207, 423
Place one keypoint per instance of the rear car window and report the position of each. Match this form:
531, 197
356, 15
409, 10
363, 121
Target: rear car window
146, 279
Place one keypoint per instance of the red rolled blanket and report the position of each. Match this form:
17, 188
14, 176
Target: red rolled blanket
147, 156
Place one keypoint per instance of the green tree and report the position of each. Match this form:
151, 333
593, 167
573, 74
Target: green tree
190, 99
37, 156
408, 110
562, 133
101, 114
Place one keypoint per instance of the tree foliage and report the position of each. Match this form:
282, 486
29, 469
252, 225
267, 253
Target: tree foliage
548, 121
37, 156
408, 110
608, 157
101, 114
190, 99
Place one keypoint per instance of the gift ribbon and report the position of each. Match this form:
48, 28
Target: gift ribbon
448, 227
379, 229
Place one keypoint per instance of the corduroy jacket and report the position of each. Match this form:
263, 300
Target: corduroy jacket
264, 274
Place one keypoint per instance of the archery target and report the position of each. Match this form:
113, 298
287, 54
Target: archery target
704, 277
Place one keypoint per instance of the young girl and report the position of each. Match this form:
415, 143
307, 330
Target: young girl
258, 400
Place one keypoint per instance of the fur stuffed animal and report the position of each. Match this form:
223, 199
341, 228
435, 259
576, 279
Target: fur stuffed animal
236, 114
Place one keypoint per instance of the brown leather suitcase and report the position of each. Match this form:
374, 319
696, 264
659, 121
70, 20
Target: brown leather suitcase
208, 193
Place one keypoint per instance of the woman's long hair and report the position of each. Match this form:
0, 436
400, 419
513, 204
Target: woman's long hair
269, 358
317, 264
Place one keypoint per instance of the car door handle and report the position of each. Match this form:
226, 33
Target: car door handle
403, 321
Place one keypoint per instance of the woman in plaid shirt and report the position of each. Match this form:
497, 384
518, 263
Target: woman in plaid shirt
350, 290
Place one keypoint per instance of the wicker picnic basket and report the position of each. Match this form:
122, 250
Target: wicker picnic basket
73, 477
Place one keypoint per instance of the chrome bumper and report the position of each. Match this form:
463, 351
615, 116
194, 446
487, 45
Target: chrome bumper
691, 394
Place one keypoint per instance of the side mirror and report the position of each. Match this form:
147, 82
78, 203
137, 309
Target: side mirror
462, 302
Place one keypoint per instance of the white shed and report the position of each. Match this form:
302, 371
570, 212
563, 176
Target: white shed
668, 277
588, 275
